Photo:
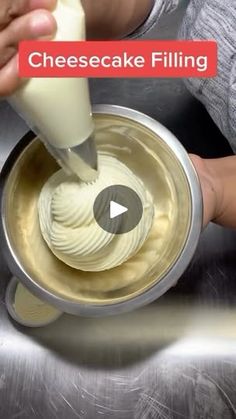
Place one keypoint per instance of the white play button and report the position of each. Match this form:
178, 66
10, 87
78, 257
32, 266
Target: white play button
116, 209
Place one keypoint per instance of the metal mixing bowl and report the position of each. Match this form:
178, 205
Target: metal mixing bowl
157, 157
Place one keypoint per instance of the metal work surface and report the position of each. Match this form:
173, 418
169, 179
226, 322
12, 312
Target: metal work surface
173, 359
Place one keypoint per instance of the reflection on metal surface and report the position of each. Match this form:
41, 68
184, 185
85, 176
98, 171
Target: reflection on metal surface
171, 359
25, 309
173, 328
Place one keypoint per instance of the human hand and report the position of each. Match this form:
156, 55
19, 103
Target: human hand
208, 188
20, 20
218, 180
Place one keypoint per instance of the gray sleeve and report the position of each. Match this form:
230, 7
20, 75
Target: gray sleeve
216, 19
159, 7
208, 19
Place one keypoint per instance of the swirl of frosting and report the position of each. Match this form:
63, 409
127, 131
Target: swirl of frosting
68, 225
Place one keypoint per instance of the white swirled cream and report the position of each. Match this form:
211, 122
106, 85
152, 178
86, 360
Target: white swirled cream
68, 225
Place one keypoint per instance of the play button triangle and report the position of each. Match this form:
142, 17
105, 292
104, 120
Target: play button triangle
116, 209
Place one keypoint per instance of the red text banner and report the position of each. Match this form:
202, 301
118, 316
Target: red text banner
118, 59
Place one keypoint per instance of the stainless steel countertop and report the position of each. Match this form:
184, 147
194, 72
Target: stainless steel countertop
173, 359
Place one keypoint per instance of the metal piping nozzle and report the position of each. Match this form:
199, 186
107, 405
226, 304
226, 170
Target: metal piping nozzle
80, 160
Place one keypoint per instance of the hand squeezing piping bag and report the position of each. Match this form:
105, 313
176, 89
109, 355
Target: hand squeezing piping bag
58, 110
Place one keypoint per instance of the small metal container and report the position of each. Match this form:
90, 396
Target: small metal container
153, 154
10, 304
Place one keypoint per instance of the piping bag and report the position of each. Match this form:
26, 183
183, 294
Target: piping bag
58, 110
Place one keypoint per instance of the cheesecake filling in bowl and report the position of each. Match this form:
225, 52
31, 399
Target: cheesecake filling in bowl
155, 157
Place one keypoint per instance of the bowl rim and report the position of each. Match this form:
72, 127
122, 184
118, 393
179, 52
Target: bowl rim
157, 289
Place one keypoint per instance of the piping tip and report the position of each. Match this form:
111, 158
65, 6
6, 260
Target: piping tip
83, 160
87, 152
80, 160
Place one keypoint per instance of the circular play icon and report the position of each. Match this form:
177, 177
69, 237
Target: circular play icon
118, 209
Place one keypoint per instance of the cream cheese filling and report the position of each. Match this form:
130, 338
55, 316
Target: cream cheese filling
67, 220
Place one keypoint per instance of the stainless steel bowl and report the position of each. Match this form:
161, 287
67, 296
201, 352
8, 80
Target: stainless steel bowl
156, 156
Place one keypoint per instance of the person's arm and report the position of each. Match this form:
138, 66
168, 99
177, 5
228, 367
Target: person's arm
114, 19
218, 182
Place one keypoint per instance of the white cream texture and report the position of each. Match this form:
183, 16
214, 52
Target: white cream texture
67, 220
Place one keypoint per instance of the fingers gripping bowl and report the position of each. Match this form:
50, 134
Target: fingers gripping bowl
152, 153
